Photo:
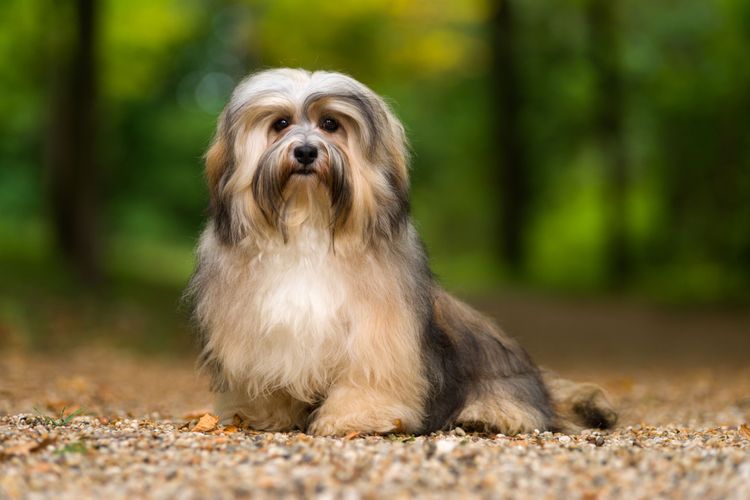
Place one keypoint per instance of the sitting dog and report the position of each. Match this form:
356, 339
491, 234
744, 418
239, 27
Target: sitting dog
313, 294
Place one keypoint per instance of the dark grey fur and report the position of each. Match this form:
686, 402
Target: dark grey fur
370, 109
269, 182
465, 358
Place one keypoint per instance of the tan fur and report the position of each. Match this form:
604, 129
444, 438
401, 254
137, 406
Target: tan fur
312, 292
277, 411
576, 403
216, 160
498, 411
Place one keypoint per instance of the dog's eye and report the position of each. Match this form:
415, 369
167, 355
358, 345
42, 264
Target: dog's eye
329, 125
280, 124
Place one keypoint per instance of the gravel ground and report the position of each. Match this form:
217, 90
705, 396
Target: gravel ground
138, 435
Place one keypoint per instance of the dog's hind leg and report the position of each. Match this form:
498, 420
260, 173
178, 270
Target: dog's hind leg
508, 406
579, 405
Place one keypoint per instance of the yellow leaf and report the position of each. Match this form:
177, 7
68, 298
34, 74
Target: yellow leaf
206, 423
398, 426
744, 431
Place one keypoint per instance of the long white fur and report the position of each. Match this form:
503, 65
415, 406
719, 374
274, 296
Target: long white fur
276, 315
295, 322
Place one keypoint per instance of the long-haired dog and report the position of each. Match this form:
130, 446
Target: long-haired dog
313, 294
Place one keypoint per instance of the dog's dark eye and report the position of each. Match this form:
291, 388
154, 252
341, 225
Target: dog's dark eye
280, 124
329, 125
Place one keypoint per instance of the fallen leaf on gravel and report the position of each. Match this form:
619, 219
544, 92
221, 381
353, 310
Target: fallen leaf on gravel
206, 423
744, 431
25, 448
398, 426
21, 448
230, 429
352, 435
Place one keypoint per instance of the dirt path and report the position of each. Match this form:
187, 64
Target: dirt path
681, 436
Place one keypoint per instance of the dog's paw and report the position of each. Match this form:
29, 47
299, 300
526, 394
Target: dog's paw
594, 409
340, 426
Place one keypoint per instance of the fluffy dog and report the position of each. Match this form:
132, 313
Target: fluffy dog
313, 295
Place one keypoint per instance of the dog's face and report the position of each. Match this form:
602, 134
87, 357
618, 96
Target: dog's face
294, 147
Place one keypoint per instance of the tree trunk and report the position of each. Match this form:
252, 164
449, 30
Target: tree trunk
509, 154
608, 122
71, 149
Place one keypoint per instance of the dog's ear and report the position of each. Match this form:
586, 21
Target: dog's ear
397, 150
218, 157
395, 158
219, 167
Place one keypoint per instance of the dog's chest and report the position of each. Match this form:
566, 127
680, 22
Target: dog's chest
289, 324
299, 290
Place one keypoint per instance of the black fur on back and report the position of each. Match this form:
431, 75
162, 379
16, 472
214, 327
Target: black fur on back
464, 357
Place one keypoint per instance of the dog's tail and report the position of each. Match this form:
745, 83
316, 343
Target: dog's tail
579, 405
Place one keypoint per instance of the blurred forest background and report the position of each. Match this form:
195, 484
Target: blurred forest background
587, 147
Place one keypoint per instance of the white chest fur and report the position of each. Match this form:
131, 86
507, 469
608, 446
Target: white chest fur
277, 319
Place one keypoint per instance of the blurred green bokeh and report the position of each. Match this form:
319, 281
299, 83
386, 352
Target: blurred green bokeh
669, 100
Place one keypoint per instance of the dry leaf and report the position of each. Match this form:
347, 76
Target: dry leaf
230, 429
206, 423
744, 431
21, 448
352, 435
398, 426
27, 447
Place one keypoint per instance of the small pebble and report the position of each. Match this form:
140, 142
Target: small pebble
445, 446
679, 437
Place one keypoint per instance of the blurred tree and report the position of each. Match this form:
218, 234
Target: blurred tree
508, 151
696, 83
575, 144
608, 97
71, 139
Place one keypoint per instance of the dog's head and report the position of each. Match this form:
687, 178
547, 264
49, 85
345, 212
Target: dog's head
295, 147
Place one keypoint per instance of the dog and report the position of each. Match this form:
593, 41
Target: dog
312, 293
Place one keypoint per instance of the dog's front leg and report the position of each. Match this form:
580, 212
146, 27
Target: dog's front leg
276, 411
382, 388
353, 408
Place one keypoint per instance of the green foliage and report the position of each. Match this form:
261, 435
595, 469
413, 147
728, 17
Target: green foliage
59, 421
165, 68
73, 447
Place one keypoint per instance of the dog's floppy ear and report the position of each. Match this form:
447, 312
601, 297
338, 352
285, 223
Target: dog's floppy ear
395, 152
218, 157
219, 166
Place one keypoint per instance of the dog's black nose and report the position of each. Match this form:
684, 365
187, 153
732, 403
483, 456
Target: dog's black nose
306, 154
